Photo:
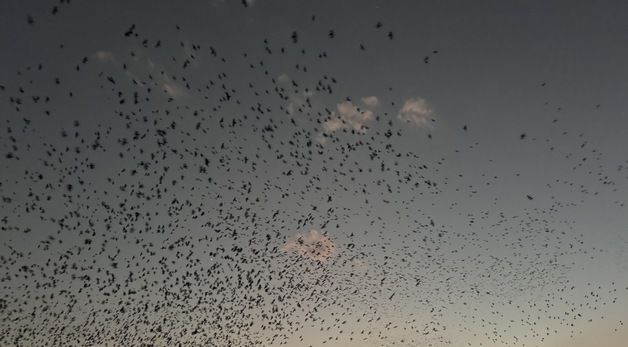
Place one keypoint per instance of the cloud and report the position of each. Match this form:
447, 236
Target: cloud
173, 89
105, 56
370, 101
311, 244
296, 100
283, 78
143, 65
321, 138
348, 116
417, 112
332, 125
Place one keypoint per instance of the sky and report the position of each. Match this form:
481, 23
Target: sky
313, 173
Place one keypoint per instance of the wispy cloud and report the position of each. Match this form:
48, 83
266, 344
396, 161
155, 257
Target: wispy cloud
416, 111
311, 244
144, 65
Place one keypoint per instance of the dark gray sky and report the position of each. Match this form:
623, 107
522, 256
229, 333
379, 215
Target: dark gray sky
314, 173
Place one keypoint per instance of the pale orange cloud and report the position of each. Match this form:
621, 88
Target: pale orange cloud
311, 244
416, 111
349, 116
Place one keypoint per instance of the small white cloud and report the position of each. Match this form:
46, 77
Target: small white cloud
311, 244
417, 112
370, 101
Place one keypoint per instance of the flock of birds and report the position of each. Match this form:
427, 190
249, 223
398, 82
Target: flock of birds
263, 207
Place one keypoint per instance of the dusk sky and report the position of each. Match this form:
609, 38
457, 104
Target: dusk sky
314, 173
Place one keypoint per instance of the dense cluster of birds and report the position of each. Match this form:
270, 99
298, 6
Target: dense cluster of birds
262, 206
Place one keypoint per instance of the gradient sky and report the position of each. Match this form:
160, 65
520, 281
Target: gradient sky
314, 173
